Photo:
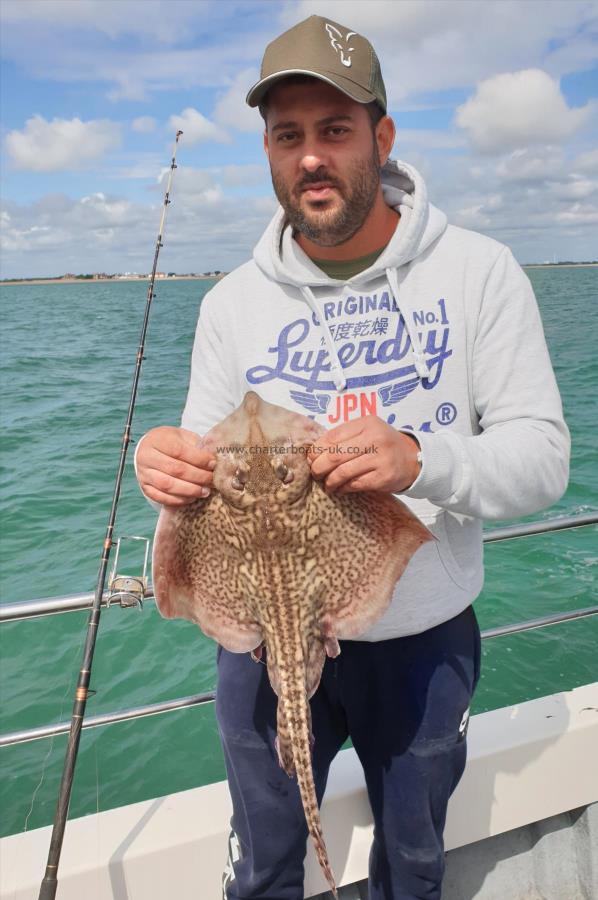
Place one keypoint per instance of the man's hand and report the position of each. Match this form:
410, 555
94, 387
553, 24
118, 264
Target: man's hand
171, 468
365, 454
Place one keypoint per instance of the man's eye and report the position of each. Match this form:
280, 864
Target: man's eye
337, 130
286, 137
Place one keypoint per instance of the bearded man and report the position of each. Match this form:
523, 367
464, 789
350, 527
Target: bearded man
364, 308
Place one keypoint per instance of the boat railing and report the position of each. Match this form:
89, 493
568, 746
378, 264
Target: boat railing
28, 609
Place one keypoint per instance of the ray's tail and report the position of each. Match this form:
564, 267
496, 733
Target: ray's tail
294, 751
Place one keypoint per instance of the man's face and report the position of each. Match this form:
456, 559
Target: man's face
323, 158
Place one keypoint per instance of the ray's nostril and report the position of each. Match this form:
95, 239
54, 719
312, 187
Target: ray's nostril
240, 477
282, 471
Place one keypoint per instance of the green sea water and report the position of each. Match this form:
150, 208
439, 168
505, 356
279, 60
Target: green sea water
68, 353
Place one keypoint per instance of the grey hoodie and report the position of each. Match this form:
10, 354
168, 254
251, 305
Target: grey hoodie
440, 337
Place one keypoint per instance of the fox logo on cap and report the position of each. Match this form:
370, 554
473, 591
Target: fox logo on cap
305, 49
335, 39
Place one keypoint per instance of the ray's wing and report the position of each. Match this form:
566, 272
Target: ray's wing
197, 576
362, 543
199, 570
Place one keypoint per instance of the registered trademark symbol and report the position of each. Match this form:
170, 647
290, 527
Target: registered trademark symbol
446, 413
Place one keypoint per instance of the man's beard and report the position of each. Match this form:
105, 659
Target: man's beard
334, 227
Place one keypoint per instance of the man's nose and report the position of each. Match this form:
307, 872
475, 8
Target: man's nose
311, 162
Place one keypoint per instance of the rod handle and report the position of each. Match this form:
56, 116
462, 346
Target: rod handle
48, 888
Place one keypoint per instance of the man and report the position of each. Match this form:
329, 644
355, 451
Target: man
364, 309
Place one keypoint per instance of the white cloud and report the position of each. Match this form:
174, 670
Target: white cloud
57, 226
180, 43
437, 45
515, 109
196, 127
144, 124
191, 186
231, 109
61, 144
573, 189
206, 230
587, 162
531, 164
428, 138
177, 45
244, 176
537, 192
139, 165
548, 212
162, 20
194, 185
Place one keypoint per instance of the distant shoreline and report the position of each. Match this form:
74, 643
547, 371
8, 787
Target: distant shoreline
111, 280
218, 277
559, 265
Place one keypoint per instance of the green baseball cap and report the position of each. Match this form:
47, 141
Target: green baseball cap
328, 51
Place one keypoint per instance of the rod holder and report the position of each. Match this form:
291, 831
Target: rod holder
128, 590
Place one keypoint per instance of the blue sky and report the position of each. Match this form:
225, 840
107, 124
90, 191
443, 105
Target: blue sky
497, 109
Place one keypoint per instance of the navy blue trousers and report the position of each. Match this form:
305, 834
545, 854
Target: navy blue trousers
404, 703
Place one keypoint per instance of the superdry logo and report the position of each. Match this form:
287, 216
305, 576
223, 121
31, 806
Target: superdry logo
372, 340
339, 43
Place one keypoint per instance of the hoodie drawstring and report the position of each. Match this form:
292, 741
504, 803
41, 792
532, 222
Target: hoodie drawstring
421, 366
340, 382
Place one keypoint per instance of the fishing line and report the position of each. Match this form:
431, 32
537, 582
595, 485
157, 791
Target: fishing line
76, 653
98, 876
49, 883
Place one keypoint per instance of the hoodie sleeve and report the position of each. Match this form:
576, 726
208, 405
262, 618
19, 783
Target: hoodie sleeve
519, 463
210, 396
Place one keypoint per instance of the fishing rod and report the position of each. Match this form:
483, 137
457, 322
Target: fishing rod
49, 884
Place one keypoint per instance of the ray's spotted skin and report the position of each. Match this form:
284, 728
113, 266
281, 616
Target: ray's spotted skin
269, 558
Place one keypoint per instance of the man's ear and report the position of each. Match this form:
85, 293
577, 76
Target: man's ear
266, 146
385, 138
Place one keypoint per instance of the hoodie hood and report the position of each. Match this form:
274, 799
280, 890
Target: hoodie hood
281, 258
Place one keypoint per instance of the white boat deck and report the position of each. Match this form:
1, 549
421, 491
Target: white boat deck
555, 859
527, 763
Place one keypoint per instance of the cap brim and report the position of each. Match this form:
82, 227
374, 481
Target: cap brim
348, 87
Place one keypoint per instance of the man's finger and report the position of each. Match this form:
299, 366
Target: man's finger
366, 482
324, 463
349, 470
331, 458
190, 453
346, 434
151, 454
345, 431
165, 499
172, 486
178, 468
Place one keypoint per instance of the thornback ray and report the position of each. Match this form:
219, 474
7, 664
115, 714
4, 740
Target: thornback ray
270, 558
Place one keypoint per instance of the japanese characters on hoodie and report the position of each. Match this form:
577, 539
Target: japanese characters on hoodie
440, 337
